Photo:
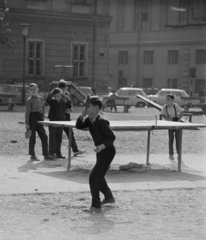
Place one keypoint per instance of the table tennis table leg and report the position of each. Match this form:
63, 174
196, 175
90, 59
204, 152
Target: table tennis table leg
148, 147
180, 150
69, 148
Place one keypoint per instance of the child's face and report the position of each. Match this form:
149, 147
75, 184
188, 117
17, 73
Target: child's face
92, 110
58, 96
169, 100
33, 90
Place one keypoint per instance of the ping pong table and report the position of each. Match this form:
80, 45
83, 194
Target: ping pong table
148, 126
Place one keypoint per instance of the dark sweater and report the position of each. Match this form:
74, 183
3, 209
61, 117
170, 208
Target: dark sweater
100, 130
57, 109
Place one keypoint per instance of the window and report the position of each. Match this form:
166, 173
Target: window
172, 56
79, 59
198, 83
147, 82
142, 16
200, 56
148, 57
35, 58
195, 11
172, 83
123, 57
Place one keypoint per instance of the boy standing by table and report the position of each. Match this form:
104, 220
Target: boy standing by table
66, 97
103, 138
172, 112
56, 113
35, 113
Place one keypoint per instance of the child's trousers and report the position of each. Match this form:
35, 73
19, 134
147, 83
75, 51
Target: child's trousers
35, 127
173, 133
55, 140
97, 179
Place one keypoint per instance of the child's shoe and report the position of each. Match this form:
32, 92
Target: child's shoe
34, 158
60, 156
171, 157
49, 158
78, 153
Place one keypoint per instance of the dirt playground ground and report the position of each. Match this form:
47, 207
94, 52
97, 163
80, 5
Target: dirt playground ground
176, 213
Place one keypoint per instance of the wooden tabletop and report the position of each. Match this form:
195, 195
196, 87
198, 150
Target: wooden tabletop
134, 125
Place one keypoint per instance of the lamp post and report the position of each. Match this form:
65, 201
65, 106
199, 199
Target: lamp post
25, 27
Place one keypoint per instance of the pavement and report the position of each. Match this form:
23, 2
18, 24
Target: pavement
18, 175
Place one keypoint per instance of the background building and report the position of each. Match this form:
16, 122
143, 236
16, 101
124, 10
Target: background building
62, 32
160, 43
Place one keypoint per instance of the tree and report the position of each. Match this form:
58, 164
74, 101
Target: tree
4, 39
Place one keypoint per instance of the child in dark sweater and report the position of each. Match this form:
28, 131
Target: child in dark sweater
103, 138
57, 110
35, 113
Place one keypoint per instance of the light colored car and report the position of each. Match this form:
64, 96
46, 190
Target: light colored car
131, 93
160, 97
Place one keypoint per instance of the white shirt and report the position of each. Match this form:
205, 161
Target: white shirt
169, 111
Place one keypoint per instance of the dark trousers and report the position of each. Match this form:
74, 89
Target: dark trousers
73, 143
35, 127
55, 140
173, 134
97, 179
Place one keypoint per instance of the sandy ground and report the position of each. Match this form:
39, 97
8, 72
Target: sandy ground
145, 215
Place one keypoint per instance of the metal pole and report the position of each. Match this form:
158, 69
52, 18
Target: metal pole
69, 148
24, 63
94, 44
148, 147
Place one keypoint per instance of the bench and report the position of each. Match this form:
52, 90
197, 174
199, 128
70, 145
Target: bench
10, 103
115, 104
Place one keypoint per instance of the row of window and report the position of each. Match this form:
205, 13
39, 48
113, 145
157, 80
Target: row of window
35, 59
173, 57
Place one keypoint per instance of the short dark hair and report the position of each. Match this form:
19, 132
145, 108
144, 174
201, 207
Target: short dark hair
62, 83
33, 85
57, 90
171, 96
95, 101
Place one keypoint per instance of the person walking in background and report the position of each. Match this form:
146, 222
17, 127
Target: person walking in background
69, 109
56, 113
111, 101
171, 111
103, 138
34, 113
202, 95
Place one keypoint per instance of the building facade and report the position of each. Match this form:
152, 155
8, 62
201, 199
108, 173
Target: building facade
62, 33
159, 43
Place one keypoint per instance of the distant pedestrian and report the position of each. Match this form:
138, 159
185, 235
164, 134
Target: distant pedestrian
111, 101
66, 97
103, 138
56, 113
35, 113
171, 111
202, 95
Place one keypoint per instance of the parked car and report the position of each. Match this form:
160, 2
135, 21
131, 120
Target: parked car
160, 97
132, 93
151, 91
17, 90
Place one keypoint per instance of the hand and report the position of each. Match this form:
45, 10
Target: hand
99, 148
68, 111
84, 112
